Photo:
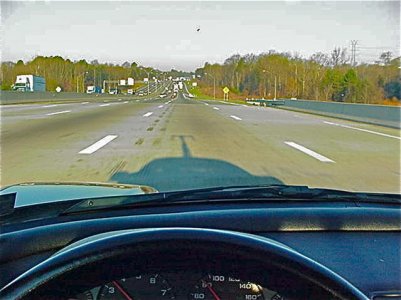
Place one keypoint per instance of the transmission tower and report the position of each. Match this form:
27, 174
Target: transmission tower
353, 52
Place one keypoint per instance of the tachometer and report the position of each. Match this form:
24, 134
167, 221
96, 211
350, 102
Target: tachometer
141, 287
219, 287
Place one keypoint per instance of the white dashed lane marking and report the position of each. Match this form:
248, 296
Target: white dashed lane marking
148, 114
99, 144
309, 152
236, 118
364, 130
216, 108
58, 113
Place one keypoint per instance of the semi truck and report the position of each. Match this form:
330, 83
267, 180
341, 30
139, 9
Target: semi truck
29, 83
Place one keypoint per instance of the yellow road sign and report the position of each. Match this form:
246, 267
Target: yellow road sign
226, 90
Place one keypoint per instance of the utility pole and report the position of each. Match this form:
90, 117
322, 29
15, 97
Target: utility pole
264, 84
148, 82
353, 52
214, 85
275, 83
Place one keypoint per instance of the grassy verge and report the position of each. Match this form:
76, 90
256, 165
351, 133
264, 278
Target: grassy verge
138, 85
200, 95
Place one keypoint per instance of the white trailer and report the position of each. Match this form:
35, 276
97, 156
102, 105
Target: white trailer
29, 83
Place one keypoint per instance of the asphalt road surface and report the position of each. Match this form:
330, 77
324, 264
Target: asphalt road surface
183, 143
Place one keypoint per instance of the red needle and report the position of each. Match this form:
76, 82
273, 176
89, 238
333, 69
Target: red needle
120, 288
209, 286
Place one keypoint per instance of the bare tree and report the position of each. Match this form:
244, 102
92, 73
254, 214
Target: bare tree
339, 56
320, 58
385, 57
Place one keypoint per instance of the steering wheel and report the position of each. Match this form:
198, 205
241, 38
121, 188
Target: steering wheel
97, 259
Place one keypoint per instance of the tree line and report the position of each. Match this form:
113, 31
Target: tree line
73, 76
327, 77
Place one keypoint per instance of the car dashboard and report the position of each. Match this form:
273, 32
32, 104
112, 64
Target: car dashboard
359, 242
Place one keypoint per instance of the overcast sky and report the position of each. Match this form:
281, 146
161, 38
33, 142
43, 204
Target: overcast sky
164, 34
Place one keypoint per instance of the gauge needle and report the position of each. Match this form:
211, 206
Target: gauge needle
209, 286
120, 288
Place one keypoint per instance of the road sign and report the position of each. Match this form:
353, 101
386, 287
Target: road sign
226, 90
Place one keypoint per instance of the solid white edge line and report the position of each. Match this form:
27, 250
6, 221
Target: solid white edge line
99, 144
58, 113
148, 114
51, 105
309, 152
364, 130
236, 118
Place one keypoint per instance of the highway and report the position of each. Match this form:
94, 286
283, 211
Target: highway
183, 143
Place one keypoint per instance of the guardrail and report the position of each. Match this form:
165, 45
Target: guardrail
374, 114
13, 97
265, 102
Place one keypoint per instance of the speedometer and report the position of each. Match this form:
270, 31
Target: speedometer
141, 287
217, 287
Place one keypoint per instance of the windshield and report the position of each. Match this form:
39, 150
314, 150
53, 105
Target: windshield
189, 95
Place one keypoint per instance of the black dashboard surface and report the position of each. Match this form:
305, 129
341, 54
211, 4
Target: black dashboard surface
360, 243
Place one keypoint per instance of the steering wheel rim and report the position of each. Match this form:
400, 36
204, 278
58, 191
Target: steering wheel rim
98, 248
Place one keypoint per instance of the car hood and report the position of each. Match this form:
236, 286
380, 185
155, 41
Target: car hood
33, 193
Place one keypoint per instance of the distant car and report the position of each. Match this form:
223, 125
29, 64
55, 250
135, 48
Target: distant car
130, 92
140, 94
113, 91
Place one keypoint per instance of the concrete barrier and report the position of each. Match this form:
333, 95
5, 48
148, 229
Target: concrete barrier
374, 114
12, 97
